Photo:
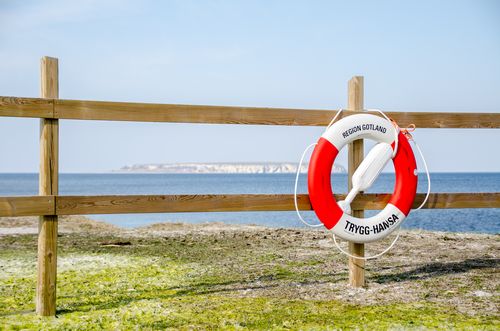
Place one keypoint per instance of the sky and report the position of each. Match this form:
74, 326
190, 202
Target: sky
441, 56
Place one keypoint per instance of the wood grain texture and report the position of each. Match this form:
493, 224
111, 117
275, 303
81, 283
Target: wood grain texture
144, 112
27, 206
49, 161
48, 185
148, 112
122, 204
49, 130
113, 204
355, 154
376, 201
49, 78
47, 266
119, 111
26, 107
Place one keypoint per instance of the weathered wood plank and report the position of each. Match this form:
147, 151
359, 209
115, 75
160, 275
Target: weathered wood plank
147, 112
74, 205
122, 204
48, 185
374, 201
26, 107
119, 111
459, 200
355, 101
27, 206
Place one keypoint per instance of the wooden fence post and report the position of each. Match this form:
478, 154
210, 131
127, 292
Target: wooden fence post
355, 156
48, 185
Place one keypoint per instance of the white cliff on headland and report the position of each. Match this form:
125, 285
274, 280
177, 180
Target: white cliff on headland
220, 168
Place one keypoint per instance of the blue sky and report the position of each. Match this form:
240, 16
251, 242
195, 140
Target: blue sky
415, 56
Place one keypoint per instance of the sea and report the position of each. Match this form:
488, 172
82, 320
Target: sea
485, 220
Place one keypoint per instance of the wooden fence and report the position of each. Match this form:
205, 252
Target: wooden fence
49, 204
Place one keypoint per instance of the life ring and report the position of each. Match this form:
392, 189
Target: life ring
345, 226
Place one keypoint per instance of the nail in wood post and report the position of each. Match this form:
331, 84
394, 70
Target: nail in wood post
355, 156
48, 185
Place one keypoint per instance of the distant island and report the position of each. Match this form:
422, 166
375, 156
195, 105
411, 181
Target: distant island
219, 168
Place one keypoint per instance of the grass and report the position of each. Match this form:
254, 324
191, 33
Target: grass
218, 281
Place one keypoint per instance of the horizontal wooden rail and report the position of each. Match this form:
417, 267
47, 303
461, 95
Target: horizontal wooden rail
26, 107
27, 206
148, 112
68, 205
124, 204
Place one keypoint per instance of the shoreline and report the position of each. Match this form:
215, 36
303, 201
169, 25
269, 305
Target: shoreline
73, 224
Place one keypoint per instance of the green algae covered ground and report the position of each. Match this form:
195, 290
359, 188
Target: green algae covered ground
229, 277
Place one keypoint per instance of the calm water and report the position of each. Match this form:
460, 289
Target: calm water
463, 220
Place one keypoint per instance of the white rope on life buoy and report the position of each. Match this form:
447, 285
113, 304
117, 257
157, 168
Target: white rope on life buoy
399, 227
396, 143
314, 144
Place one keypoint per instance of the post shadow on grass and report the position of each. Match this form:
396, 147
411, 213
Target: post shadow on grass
436, 269
180, 291
199, 288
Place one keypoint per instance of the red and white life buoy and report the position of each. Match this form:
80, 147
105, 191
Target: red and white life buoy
346, 130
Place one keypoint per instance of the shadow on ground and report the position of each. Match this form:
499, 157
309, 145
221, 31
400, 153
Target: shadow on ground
197, 289
436, 269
